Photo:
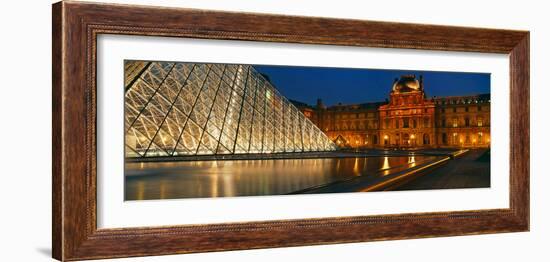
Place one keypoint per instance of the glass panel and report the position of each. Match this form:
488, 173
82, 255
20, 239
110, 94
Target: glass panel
155, 150
191, 135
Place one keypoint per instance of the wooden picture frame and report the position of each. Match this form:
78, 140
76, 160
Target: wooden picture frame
76, 26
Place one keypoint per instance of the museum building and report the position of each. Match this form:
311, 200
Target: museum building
407, 120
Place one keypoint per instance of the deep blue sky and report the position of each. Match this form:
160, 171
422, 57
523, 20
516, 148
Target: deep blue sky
351, 86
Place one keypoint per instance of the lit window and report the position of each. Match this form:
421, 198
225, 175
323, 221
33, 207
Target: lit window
480, 122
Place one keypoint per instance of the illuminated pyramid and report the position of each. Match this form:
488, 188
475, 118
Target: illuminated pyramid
181, 109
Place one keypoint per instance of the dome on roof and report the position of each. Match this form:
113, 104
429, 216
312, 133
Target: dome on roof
407, 83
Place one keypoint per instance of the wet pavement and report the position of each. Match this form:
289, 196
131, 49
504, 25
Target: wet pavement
472, 170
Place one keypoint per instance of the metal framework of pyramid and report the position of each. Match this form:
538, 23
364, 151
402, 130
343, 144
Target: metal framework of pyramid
185, 109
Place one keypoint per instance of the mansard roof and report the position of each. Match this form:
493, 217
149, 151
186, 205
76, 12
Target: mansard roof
461, 100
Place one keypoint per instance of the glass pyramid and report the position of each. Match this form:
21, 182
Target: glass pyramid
182, 109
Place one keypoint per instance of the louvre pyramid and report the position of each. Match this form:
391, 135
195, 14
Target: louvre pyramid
182, 109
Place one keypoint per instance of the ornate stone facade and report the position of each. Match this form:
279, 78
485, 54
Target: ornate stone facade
407, 120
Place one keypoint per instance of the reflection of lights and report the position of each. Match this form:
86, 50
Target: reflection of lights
386, 164
141, 190
356, 167
412, 161
228, 185
162, 189
214, 186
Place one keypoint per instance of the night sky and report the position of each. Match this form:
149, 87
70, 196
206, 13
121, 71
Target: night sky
352, 86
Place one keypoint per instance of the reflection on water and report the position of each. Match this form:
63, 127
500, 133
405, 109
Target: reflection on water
386, 166
169, 180
412, 161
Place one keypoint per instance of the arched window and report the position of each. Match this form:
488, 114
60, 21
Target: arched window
426, 139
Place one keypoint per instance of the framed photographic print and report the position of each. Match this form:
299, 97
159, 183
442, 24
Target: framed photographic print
181, 130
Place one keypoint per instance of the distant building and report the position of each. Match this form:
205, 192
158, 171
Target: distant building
407, 120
